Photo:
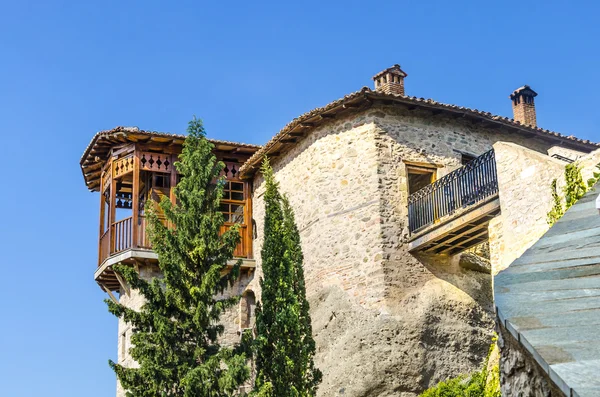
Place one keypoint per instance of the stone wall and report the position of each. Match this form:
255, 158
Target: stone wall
565, 152
520, 374
386, 323
589, 164
524, 180
133, 300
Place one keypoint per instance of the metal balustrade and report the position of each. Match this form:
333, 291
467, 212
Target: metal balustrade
471, 184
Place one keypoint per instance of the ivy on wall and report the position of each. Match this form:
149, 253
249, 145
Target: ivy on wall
575, 189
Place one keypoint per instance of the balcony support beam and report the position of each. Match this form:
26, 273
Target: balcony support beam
455, 233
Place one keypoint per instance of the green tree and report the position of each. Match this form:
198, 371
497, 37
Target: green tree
284, 344
175, 334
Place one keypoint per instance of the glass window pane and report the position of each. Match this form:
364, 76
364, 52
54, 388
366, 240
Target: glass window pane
238, 218
237, 196
237, 213
237, 186
226, 195
224, 207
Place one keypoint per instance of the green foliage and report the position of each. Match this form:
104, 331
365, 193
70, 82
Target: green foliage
594, 179
175, 333
285, 347
575, 189
478, 384
557, 210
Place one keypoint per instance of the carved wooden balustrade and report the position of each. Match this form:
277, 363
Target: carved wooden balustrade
469, 185
123, 176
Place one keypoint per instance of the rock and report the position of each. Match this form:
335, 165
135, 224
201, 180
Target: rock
476, 263
441, 333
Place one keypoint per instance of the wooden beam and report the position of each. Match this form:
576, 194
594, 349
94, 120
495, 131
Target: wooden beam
470, 230
288, 140
454, 223
460, 244
110, 294
122, 283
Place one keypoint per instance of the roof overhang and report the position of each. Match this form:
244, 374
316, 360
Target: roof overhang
358, 101
96, 153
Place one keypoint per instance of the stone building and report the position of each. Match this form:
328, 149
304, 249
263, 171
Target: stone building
389, 191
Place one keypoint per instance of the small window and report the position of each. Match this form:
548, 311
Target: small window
124, 344
419, 177
161, 180
466, 158
247, 308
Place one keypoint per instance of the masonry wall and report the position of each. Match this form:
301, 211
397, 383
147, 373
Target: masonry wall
524, 180
133, 300
520, 374
386, 323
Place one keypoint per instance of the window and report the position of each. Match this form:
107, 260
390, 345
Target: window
233, 202
466, 158
161, 180
123, 345
419, 177
247, 308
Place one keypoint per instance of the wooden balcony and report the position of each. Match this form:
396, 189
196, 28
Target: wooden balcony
121, 238
133, 176
452, 214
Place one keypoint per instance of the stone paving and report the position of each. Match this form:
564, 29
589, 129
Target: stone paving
549, 300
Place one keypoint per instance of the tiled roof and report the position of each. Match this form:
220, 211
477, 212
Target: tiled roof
103, 140
359, 100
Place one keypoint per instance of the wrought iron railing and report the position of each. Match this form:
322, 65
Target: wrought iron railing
466, 186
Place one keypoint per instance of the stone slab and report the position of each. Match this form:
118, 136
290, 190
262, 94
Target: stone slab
549, 300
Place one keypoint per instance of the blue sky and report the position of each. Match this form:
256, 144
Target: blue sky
69, 69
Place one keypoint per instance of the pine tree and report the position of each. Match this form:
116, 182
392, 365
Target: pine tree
175, 334
284, 344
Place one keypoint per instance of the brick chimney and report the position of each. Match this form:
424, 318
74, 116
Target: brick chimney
524, 106
390, 81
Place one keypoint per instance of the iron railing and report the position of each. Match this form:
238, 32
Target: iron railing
466, 186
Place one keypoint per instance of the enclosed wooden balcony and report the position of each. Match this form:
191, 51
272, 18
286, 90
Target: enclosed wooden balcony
130, 173
452, 214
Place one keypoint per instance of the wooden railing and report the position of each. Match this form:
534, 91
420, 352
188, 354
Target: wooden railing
464, 187
123, 238
104, 246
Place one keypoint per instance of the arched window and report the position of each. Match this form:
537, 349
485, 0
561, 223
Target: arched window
247, 307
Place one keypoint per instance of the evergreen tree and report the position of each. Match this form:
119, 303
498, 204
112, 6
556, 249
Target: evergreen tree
175, 334
284, 344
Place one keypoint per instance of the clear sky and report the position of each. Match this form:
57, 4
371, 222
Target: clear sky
70, 69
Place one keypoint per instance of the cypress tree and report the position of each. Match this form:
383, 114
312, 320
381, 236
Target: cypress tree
175, 334
284, 344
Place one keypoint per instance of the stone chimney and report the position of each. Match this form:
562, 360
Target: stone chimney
390, 81
524, 106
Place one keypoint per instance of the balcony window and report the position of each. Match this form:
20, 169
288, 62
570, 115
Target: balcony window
419, 177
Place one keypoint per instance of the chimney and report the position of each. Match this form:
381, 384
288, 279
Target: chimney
524, 106
390, 81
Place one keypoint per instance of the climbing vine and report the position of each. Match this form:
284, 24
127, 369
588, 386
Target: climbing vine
575, 189
557, 210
